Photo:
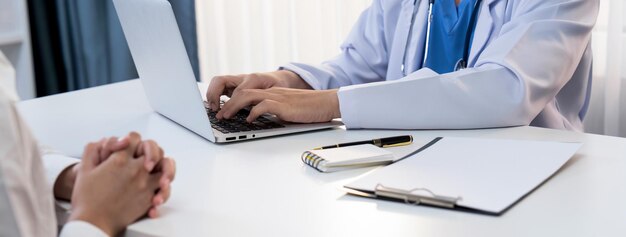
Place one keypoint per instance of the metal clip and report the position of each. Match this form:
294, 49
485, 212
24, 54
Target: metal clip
411, 197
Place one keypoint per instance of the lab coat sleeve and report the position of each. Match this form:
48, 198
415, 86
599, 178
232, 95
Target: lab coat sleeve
518, 73
363, 56
81, 228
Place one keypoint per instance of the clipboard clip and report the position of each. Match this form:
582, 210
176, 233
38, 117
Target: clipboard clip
416, 196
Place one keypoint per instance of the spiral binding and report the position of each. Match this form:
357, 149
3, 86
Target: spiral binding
312, 160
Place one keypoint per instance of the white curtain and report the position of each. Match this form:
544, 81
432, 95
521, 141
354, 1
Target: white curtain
242, 36
607, 112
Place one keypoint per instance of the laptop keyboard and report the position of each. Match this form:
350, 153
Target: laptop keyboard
239, 124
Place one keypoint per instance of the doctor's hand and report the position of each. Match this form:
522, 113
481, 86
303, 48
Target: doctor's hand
291, 105
116, 192
229, 85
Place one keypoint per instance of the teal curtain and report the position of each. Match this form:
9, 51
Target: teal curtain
79, 43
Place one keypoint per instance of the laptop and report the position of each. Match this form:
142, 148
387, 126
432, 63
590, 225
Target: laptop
169, 82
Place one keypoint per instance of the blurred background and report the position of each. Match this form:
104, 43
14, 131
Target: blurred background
65, 45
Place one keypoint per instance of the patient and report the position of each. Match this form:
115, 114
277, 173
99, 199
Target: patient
117, 181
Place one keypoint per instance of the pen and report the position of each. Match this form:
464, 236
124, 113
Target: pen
379, 142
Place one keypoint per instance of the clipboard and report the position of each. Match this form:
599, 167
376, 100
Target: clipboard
481, 175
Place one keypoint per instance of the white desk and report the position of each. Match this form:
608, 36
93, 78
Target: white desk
261, 188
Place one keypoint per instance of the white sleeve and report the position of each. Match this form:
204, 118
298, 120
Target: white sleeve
25, 200
55, 164
80, 229
515, 77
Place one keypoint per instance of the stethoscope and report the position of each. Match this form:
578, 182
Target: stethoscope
462, 62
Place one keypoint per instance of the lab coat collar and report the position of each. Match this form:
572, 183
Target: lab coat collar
484, 28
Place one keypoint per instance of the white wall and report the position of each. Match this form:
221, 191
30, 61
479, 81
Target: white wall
15, 44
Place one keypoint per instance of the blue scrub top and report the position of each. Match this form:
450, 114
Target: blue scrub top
448, 32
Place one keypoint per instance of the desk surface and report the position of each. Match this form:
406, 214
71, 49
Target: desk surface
261, 188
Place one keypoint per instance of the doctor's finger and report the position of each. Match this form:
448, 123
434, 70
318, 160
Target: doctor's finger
253, 81
242, 99
217, 88
267, 106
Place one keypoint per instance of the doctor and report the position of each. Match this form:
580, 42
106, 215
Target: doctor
476, 64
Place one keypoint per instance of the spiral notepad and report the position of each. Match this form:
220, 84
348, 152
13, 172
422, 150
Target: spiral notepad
330, 160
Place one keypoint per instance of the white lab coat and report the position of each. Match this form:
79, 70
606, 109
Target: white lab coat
26, 197
530, 63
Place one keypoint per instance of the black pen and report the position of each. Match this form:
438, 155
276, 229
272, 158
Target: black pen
379, 142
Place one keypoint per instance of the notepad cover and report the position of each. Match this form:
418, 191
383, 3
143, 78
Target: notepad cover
329, 160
